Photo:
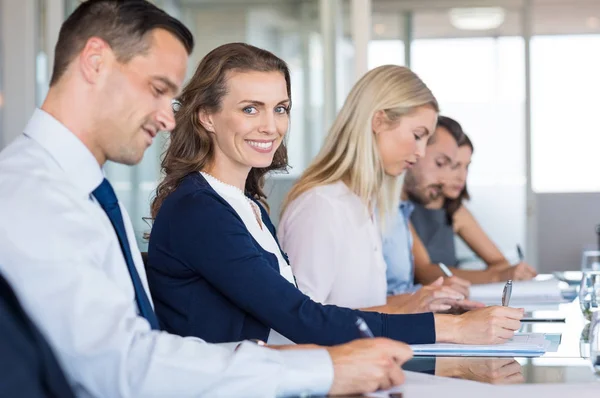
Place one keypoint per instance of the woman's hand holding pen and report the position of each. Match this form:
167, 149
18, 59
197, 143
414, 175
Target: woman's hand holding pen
490, 325
519, 272
460, 285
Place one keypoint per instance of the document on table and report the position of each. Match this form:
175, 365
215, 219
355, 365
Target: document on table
523, 293
522, 345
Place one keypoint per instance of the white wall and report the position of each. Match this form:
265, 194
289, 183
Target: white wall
566, 224
17, 41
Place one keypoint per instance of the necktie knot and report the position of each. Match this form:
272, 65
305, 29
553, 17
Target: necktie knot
105, 195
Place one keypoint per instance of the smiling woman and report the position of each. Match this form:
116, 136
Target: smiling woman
215, 268
234, 113
250, 125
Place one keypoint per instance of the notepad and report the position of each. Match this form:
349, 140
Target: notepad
523, 293
521, 345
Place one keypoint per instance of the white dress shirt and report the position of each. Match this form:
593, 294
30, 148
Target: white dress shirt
248, 212
60, 252
334, 247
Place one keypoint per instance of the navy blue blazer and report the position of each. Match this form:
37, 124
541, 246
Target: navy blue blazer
209, 278
28, 367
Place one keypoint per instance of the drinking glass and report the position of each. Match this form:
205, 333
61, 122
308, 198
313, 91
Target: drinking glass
594, 340
589, 293
590, 260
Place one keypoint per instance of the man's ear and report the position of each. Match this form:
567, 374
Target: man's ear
94, 58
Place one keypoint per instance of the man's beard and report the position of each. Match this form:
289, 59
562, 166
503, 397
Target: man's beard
425, 199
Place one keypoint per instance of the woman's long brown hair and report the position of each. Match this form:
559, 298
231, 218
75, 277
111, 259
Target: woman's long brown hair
452, 205
191, 148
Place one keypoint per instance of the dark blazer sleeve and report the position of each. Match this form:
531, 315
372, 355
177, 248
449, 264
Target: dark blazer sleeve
210, 238
28, 367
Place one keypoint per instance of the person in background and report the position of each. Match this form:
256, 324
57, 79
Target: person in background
437, 218
466, 226
68, 249
333, 217
398, 239
215, 268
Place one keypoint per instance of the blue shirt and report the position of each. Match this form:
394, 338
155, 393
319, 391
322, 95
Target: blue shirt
397, 252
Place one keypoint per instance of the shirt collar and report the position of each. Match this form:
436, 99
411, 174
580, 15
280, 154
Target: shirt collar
407, 207
225, 190
66, 149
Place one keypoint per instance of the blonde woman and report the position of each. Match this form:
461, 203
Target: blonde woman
334, 216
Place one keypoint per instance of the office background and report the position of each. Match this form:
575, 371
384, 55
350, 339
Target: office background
524, 85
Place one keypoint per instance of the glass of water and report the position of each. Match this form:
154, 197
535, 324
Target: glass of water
590, 260
594, 340
589, 293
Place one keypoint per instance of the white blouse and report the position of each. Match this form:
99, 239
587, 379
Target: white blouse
334, 247
246, 208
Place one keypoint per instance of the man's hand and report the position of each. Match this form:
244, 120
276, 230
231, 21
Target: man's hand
367, 365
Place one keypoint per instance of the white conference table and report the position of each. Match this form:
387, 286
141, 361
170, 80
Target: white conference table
564, 373
568, 368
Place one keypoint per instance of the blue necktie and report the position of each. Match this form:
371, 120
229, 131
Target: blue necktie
105, 195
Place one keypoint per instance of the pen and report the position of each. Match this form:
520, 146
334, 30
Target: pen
520, 252
363, 328
445, 270
506, 293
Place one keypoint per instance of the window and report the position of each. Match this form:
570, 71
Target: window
565, 131
485, 94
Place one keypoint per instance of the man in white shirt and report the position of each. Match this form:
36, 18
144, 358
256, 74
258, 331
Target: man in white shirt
118, 65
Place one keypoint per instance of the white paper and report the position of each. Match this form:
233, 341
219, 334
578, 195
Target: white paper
523, 292
523, 344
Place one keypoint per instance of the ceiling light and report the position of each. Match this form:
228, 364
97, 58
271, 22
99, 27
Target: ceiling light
592, 22
476, 18
379, 29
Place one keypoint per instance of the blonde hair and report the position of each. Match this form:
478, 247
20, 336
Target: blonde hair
350, 152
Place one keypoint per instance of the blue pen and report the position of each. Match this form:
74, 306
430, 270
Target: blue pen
363, 328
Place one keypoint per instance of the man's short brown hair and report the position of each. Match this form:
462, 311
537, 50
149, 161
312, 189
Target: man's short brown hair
123, 24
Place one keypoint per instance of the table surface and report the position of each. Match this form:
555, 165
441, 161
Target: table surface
569, 364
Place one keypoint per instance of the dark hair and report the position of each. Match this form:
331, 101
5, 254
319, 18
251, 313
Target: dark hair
452, 205
191, 147
123, 24
453, 127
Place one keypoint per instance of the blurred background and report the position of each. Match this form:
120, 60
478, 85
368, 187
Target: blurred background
521, 76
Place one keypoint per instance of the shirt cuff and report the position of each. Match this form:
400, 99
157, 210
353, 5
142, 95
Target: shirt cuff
230, 346
305, 372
